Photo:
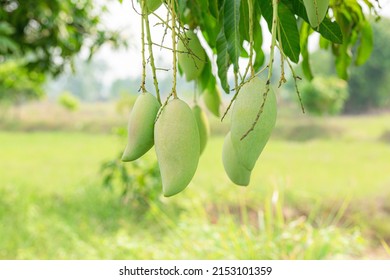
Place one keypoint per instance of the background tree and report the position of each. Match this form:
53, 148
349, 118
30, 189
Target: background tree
369, 86
45, 36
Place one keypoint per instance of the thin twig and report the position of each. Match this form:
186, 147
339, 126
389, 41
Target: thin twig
173, 17
143, 89
149, 38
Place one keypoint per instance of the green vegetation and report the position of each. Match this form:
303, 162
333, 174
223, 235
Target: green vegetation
324, 95
331, 202
68, 101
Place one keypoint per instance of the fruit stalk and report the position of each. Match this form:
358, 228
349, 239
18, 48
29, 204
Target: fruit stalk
143, 89
173, 18
250, 5
150, 45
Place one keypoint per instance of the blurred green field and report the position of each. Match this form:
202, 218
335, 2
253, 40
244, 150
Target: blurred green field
321, 195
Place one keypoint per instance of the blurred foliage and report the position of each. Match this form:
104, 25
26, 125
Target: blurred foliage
45, 36
139, 181
68, 101
125, 102
18, 84
48, 34
369, 85
324, 95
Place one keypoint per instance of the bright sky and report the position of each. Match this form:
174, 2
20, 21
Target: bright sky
127, 63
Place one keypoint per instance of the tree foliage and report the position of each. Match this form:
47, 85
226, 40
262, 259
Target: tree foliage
324, 95
17, 84
369, 85
224, 24
48, 34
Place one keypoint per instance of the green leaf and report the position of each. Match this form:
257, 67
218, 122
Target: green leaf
324, 43
257, 44
343, 60
366, 44
182, 6
210, 29
331, 30
222, 60
244, 21
232, 30
328, 29
266, 11
304, 39
213, 8
289, 33
205, 76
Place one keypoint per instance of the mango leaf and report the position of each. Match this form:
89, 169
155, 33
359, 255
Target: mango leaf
366, 44
182, 6
244, 21
328, 29
331, 30
304, 39
266, 11
232, 30
343, 60
207, 79
210, 29
289, 33
288, 27
213, 8
324, 43
222, 60
258, 42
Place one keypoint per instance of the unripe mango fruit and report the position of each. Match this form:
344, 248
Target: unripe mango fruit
213, 100
141, 126
192, 63
177, 146
237, 173
245, 109
316, 11
203, 126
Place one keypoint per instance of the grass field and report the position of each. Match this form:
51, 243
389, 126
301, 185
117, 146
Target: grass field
321, 195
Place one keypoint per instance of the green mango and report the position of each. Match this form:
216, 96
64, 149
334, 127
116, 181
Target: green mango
213, 100
245, 109
316, 11
203, 126
192, 65
177, 146
141, 126
237, 173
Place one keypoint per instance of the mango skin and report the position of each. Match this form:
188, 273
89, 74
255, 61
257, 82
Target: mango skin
316, 11
236, 172
203, 126
191, 65
213, 100
244, 112
177, 146
141, 127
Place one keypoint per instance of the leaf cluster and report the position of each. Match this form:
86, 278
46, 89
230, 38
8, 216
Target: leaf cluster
224, 25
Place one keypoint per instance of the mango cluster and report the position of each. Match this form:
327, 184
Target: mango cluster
178, 133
